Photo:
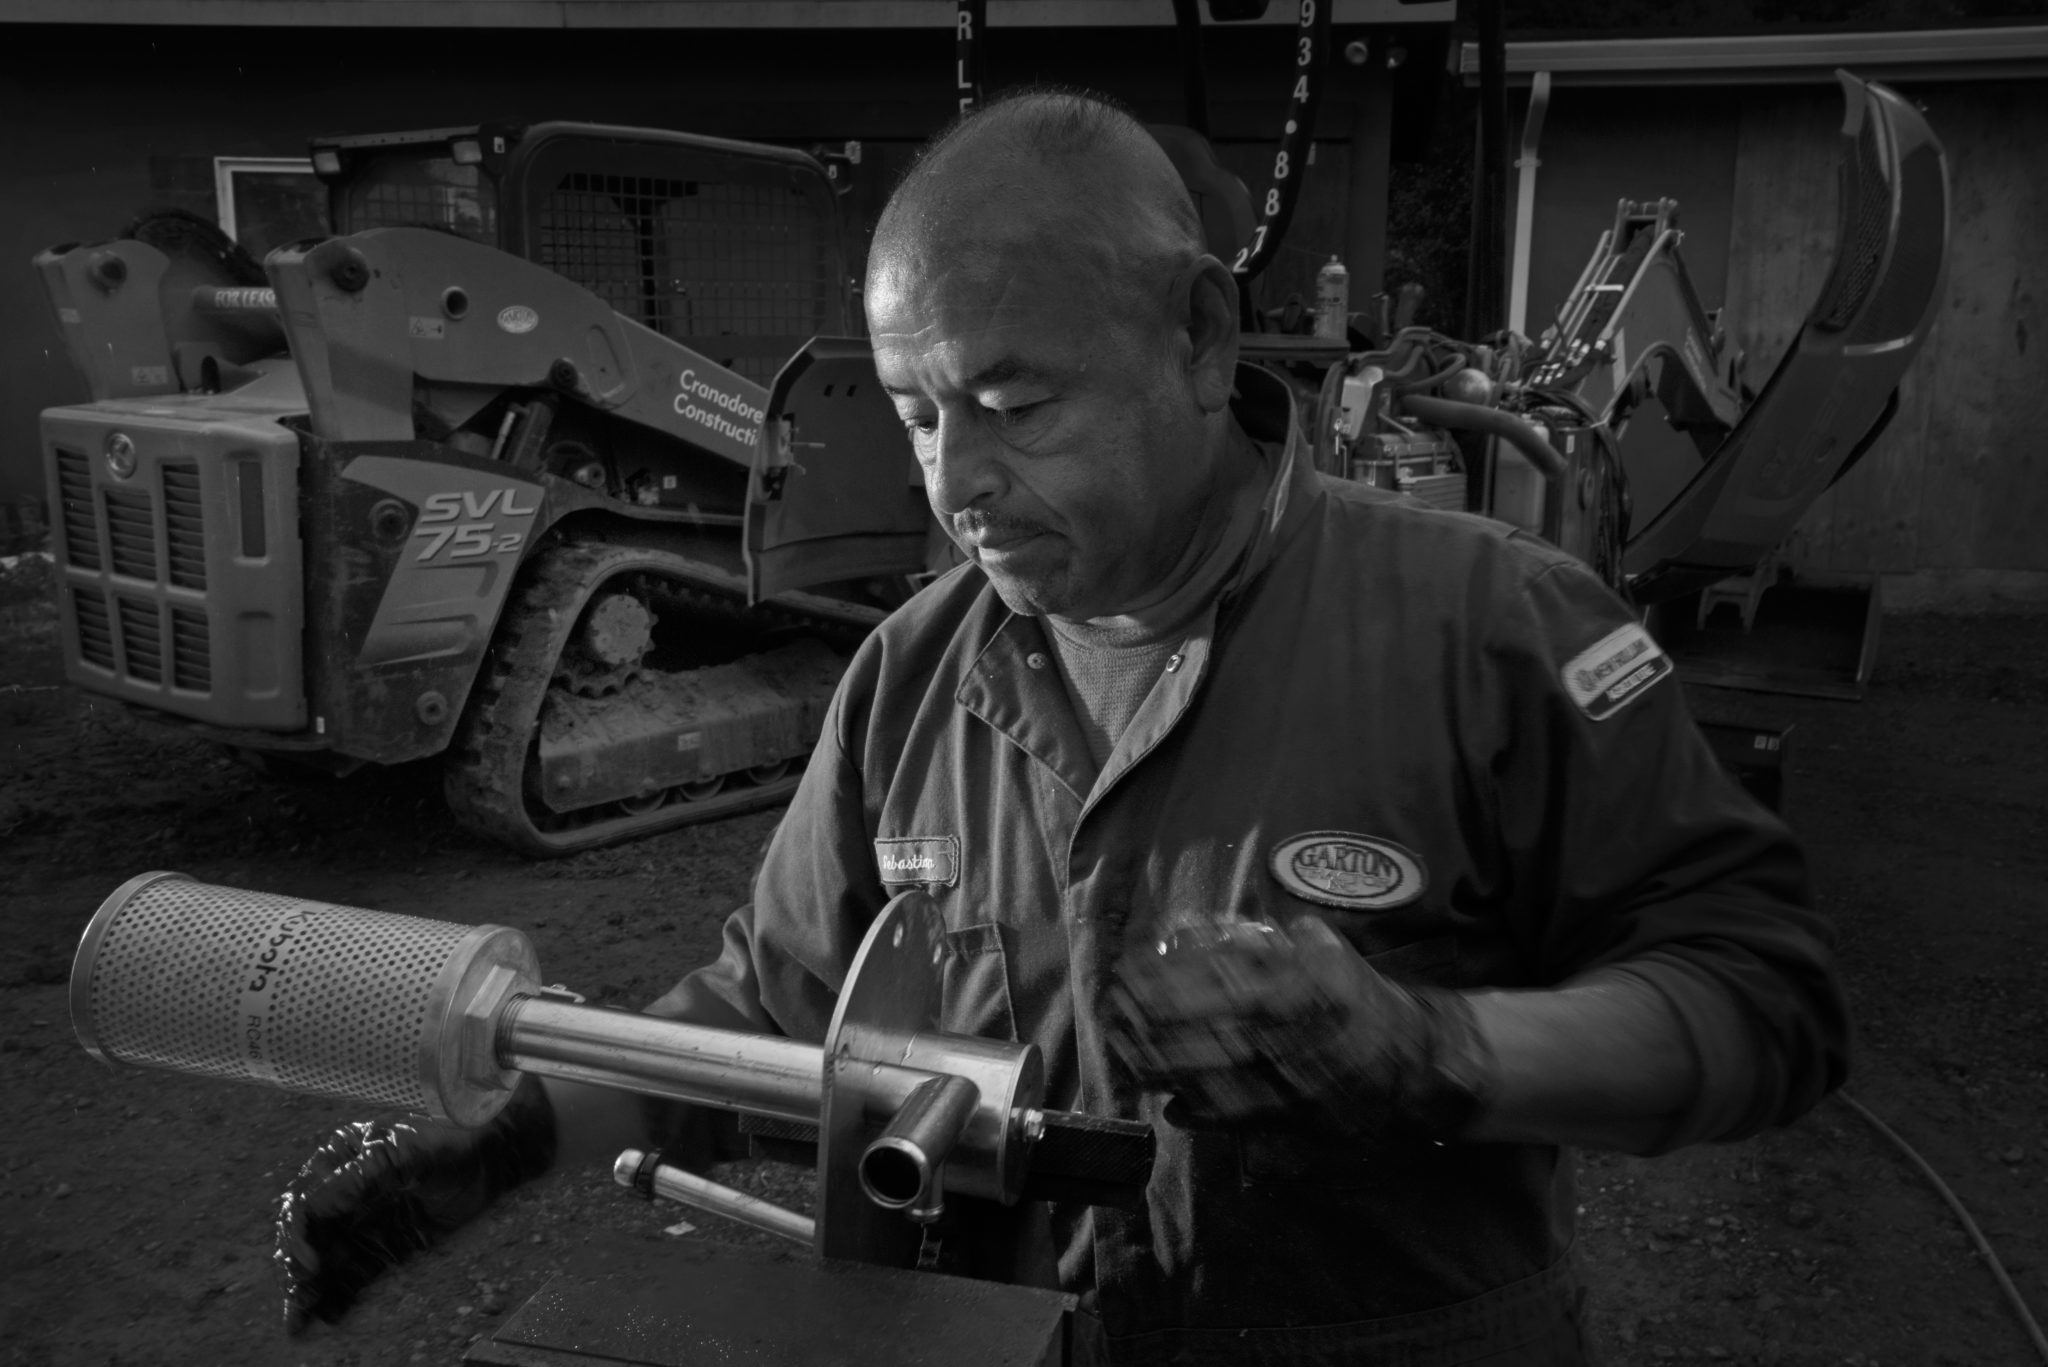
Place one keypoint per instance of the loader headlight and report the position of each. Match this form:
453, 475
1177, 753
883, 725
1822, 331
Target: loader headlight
466, 151
327, 161
120, 455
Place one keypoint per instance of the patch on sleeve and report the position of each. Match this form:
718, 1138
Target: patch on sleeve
1618, 669
918, 859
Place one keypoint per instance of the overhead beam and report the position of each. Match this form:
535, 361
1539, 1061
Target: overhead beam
666, 14
1992, 53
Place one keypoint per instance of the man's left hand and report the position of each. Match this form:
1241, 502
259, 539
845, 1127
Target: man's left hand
1262, 1027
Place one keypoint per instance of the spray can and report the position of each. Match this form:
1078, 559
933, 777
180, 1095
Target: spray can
1333, 300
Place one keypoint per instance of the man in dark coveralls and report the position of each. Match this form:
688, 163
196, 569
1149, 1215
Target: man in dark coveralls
1366, 851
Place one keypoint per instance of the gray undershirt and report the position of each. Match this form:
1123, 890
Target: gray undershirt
1110, 664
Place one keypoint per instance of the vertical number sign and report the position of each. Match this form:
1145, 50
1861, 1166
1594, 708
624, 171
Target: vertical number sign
1276, 206
968, 18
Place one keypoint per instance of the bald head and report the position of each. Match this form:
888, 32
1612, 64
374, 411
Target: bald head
1061, 351
1050, 176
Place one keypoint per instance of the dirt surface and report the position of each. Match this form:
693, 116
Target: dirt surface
136, 1205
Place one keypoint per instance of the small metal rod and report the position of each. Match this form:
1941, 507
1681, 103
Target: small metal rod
687, 1188
729, 1069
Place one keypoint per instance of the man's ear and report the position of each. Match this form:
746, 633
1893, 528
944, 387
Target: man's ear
1212, 333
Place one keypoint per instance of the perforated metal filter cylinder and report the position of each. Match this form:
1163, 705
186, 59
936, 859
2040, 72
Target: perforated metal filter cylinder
395, 1011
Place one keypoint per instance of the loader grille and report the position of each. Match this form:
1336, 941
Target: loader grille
696, 260
123, 632
182, 584
74, 492
191, 653
131, 532
141, 639
1866, 220
184, 525
95, 633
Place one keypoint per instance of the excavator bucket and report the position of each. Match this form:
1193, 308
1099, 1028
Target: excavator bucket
1766, 634
1833, 390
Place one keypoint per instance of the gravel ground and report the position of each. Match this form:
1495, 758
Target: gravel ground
136, 1205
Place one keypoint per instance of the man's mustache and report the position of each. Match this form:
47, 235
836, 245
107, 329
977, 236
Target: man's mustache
974, 524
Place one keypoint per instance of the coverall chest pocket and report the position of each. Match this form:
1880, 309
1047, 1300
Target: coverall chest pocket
1277, 1158
976, 984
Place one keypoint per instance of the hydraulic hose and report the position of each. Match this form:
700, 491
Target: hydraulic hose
1472, 417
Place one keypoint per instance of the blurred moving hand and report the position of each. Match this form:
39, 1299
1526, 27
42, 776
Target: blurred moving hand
377, 1191
1249, 1025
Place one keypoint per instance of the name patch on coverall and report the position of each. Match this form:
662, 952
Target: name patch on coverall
919, 859
1615, 671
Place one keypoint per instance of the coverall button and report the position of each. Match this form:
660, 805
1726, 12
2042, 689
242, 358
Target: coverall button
1036, 659
1172, 663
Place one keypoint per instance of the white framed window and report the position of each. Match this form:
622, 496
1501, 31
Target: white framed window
264, 202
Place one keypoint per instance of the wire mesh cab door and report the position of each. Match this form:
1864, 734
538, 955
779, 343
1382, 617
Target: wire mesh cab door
835, 494
734, 249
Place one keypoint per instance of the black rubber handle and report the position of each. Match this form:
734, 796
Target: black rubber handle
1076, 1157
1090, 1158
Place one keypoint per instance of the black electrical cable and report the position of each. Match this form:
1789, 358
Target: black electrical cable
1955, 1204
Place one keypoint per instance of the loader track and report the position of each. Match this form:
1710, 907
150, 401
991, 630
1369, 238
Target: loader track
485, 774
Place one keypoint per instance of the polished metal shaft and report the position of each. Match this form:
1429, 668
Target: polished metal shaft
733, 1071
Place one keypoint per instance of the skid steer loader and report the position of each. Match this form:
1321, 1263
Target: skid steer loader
479, 476
533, 467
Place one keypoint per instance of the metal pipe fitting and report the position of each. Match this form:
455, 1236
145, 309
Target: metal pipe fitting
900, 1169
991, 1160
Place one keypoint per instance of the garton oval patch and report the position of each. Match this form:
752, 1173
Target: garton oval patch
1354, 872
517, 318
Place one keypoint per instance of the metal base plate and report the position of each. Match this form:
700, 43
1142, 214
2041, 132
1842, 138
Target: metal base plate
892, 992
688, 1304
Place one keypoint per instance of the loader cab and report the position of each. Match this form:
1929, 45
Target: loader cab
736, 250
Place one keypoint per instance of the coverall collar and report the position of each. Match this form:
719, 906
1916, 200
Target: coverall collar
1014, 685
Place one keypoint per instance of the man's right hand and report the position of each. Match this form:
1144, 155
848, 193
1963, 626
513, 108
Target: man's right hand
378, 1191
